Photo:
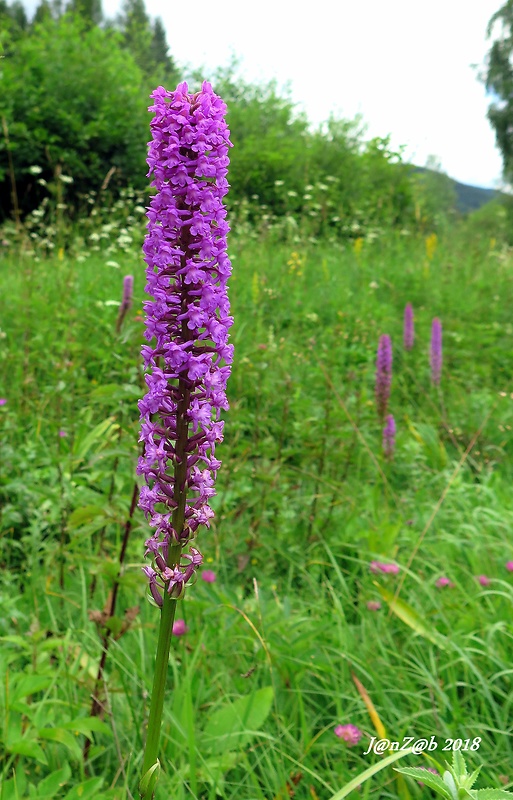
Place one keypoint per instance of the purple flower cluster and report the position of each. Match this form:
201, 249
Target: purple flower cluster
187, 324
436, 351
389, 432
409, 333
383, 374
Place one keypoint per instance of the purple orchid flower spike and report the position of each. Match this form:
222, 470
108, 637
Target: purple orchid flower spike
383, 374
436, 351
187, 357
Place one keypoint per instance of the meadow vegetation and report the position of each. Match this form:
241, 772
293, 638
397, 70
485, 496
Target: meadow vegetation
343, 585
306, 502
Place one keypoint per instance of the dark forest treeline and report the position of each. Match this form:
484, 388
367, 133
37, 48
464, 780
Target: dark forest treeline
73, 100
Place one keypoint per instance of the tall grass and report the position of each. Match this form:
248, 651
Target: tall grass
306, 501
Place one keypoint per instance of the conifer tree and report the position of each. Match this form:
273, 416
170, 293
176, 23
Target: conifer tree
89, 10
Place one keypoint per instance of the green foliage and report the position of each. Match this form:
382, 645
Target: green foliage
457, 783
435, 195
89, 10
499, 82
327, 180
235, 725
84, 116
146, 41
305, 502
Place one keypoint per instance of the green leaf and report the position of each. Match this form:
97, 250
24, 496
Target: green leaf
433, 781
368, 773
28, 748
81, 516
50, 786
101, 434
411, 617
150, 780
15, 788
30, 684
87, 724
19, 640
493, 794
85, 790
236, 724
113, 391
63, 737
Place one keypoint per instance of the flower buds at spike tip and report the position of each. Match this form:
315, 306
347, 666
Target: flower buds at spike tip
436, 351
409, 332
383, 374
187, 322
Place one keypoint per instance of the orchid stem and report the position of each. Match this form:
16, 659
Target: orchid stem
167, 616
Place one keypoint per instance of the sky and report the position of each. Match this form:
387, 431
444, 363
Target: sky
409, 68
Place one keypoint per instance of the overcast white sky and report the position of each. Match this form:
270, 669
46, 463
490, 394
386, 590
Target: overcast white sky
405, 65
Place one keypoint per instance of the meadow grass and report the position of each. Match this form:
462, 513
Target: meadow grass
306, 501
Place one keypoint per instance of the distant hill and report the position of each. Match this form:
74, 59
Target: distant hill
468, 198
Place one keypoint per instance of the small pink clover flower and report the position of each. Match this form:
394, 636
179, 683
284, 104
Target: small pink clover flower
349, 733
379, 566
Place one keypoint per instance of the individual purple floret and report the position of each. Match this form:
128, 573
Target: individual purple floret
383, 374
409, 332
187, 321
389, 432
436, 351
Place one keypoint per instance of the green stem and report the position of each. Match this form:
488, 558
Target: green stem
167, 613
167, 616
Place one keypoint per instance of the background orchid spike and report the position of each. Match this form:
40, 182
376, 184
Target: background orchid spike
383, 374
126, 302
409, 331
187, 323
436, 351
389, 432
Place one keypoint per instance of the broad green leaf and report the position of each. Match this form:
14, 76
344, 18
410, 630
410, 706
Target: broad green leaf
433, 781
411, 617
16, 787
368, 773
493, 794
49, 787
234, 725
85, 790
81, 516
87, 724
115, 391
28, 748
30, 684
20, 640
213, 769
63, 737
102, 433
